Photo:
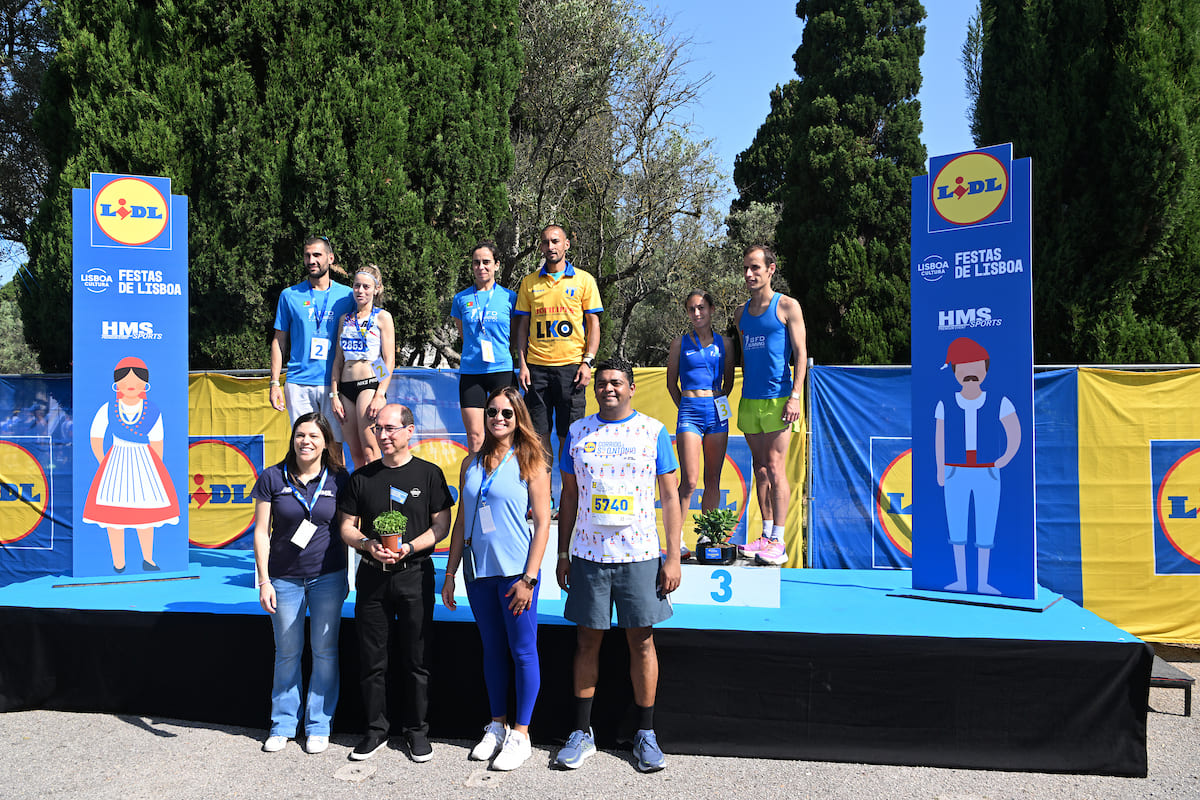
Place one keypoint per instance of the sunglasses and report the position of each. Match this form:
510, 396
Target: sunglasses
507, 413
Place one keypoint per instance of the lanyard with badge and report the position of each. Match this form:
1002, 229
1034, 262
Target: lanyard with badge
720, 401
483, 512
306, 528
319, 346
486, 350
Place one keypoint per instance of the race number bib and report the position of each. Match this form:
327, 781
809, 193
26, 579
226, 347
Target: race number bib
613, 504
319, 349
722, 404
380, 368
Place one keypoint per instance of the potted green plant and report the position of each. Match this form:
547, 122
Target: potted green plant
390, 526
713, 529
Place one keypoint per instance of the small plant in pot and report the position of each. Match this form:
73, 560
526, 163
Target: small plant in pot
390, 526
713, 529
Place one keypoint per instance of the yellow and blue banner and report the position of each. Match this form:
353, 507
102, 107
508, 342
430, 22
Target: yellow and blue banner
130, 352
972, 360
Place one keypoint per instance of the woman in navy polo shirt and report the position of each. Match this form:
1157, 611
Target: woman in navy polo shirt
300, 565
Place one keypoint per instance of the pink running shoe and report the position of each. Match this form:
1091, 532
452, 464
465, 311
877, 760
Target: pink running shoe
774, 554
754, 548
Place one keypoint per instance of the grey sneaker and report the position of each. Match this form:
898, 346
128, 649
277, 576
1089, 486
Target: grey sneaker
649, 756
579, 748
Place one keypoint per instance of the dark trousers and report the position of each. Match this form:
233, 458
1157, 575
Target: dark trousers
394, 610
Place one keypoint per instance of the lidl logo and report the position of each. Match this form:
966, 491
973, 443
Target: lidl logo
1175, 473
130, 211
24, 492
447, 454
222, 472
970, 188
892, 517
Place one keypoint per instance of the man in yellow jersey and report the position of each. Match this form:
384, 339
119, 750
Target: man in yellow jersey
557, 335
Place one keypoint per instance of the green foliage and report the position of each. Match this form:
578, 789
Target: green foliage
391, 522
382, 125
714, 526
25, 38
15, 356
1105, 98
838, 153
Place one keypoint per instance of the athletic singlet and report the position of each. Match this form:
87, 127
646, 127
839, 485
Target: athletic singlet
701, 367
766, 354
360, 342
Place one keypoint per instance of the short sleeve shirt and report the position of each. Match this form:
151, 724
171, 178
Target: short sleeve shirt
616, 466
324, 552
305, 314
556, 309
417, 488
485, 315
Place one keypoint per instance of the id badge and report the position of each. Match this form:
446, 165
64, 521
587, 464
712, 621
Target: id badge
722, 404
486, 523
304, 534
485, 349
318, 349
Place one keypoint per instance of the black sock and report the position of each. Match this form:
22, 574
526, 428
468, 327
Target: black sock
645, 717
583, 714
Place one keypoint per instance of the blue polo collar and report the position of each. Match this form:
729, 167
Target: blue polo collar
569, 272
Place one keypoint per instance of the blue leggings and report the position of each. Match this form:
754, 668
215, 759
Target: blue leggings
506, 639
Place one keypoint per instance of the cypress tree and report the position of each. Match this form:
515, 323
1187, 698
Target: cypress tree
1105, 97
854, 128
382, 125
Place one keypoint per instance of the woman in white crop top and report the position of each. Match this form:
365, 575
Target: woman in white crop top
364, 357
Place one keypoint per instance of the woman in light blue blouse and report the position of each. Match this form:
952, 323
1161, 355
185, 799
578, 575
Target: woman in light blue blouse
501, 558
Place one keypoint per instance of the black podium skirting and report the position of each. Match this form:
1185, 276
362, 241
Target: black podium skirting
944, 702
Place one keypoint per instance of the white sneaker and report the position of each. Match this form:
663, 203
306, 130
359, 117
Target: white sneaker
274, 744
316, 744
516, 751
494, 736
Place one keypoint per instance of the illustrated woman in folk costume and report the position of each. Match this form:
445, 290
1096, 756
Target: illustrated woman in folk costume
131, 488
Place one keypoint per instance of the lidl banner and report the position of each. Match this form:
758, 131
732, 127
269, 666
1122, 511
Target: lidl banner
130, 355
862, 500
972, 356
1139, 495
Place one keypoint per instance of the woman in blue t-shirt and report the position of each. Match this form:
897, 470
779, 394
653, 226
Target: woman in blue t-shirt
699, 379
501, 558
300, 563
483, 317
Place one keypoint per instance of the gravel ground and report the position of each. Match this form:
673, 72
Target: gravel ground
45, 754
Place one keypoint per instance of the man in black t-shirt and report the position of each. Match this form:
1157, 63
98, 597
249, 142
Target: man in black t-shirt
395, 588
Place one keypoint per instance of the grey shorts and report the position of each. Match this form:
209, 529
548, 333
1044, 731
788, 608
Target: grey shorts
303, 399
632, 588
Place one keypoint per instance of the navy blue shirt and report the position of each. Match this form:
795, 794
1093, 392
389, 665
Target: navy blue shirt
325, 552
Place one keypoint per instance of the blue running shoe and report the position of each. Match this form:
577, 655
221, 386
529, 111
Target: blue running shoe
646, 750
579, 747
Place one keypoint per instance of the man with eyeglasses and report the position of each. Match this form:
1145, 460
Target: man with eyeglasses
394, 596
305, 326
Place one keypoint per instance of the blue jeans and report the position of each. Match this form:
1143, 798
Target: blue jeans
322, 597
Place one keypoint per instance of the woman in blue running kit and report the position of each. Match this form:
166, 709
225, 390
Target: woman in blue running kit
699, 379
483, 316
501, 557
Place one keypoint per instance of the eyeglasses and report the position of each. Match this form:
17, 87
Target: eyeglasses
507, 413
390, 430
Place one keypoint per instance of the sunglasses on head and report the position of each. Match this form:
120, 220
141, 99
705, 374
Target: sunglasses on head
507, 413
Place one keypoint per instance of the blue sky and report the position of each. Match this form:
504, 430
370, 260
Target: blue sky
748, 47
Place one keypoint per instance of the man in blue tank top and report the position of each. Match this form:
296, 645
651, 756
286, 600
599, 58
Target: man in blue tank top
967, 443
771, 328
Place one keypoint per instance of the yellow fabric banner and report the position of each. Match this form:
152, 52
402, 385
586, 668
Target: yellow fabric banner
1139, 485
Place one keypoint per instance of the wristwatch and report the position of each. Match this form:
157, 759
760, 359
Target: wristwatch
363, 542
530, 582
589, 359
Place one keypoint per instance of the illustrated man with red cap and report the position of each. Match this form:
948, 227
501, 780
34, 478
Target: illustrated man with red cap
976, 436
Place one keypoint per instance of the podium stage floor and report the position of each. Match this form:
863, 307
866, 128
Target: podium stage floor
851, 667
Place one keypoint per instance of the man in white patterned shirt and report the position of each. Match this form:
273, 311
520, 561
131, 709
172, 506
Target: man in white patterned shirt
610, 465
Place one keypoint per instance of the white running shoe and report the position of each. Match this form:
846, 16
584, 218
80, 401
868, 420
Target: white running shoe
494, 734
516, 751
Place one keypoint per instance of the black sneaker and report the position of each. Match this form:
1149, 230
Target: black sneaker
419, 749
371, 744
